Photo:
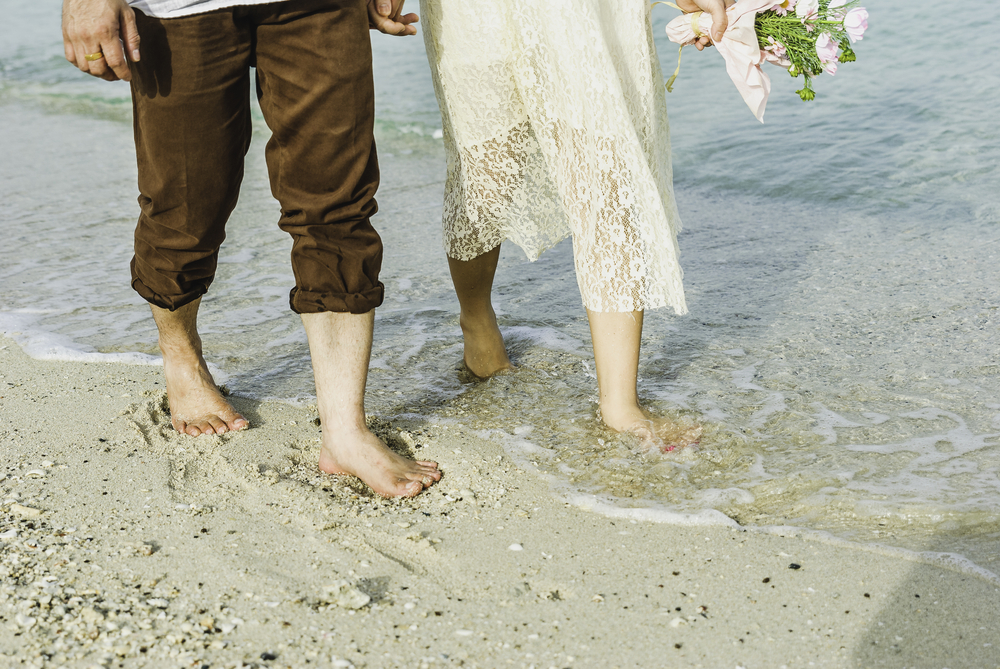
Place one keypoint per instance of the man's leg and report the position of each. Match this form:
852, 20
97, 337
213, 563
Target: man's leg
190, 95
485, 354
317, 95
196, 404
340, 345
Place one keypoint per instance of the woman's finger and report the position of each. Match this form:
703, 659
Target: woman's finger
720, 21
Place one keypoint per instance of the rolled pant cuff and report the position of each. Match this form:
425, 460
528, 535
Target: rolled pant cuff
305, 302
170, 303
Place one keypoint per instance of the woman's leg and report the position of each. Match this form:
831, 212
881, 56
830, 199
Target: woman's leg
485, 354
617, 337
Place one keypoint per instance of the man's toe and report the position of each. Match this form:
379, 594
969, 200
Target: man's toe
216, 425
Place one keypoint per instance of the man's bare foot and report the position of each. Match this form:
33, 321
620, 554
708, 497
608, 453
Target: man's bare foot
340, 344
197, 406
485, 353
360, 453
656, 433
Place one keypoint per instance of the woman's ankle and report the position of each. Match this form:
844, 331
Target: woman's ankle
479, 323
623, 416
485, 351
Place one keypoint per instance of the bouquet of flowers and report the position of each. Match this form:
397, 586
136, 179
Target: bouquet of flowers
806, 37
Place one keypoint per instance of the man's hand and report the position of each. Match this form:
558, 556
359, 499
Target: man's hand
386, 16
93, 33
717, 10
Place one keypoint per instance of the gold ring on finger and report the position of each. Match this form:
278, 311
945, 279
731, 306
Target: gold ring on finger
97, 55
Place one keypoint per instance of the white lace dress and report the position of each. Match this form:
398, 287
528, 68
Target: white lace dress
555, 123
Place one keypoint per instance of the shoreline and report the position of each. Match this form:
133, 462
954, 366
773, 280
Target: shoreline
132, 546
587, 502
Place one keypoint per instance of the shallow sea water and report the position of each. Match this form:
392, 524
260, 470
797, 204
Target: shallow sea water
840, 267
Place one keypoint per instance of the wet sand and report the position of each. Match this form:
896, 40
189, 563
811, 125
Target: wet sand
124, 544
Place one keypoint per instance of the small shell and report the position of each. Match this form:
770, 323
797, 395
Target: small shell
24, 620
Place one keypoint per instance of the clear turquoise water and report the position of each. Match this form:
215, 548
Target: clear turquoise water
840, 266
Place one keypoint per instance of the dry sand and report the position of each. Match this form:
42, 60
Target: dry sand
125, 544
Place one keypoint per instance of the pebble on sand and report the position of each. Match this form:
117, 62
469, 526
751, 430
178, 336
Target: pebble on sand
25, 511
345, 595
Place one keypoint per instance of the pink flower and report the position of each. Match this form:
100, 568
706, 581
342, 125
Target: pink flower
776, 53
775, 47
807, 9
856, 23
826, 50
782, 8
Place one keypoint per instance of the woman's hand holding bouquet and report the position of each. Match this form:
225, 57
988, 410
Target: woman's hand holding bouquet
714, 8
806, 37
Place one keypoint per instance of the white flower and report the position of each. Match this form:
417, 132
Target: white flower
832, 12
807, 9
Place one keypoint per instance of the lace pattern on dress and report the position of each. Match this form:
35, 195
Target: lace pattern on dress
554, 124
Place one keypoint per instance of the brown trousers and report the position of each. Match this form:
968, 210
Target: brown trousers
191, 110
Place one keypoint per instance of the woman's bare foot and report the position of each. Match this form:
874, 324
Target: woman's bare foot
360, 453
617, 337
655, 433
485, 353
197, 406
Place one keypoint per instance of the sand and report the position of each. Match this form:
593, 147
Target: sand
125, 544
